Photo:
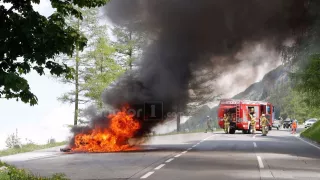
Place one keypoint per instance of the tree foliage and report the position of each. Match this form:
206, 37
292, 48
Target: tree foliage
291, 103
13, 141
128, 45
103, 71
95, 68
307, 81
29, 41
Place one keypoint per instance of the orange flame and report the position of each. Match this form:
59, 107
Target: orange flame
114, 138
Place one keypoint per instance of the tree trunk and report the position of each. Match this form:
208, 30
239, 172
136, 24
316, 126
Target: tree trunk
100, 104
178, 118
130, 51
76, 101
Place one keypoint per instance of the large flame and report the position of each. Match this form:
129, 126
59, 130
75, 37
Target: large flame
114, 138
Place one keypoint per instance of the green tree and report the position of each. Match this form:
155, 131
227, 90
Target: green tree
13, 141
103, 71
128, 45
307, 80
26, 34
91, 28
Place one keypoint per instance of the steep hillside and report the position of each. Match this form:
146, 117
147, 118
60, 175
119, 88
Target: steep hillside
261, 90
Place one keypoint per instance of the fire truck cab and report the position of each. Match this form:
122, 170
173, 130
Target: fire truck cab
239, 111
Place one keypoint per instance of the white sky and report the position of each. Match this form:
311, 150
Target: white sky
49, 117
45, 120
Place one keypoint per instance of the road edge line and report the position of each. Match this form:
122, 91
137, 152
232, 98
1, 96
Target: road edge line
305, 141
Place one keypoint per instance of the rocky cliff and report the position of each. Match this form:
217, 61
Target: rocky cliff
261, 90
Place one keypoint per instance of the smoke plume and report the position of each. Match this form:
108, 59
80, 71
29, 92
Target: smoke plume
187, 34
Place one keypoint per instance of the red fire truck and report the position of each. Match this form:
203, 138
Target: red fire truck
240, 109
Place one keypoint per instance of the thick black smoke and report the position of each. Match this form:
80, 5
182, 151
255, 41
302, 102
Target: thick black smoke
187, 33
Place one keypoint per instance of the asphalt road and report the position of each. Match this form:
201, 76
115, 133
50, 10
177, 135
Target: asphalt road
218, 156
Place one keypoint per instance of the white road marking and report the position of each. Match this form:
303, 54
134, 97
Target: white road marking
308, 143
254, 136
159, 167
184, 152
194, 145
178, 155
169, 160
260, 162
147, 175
254, 144
189, 149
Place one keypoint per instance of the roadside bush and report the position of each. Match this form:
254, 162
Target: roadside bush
51, 141
20, 174
13, 141
29, 147
312, 132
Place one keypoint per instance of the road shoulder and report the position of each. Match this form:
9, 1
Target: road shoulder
308, 141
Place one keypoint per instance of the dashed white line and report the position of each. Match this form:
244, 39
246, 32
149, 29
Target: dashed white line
169, 160
184, 152
147, 175
159, 167
189, 149
255, 145
254, 136
260, 162
178, 155
308, 143
194, 145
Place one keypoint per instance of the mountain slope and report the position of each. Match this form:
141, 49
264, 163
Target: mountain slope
261, 90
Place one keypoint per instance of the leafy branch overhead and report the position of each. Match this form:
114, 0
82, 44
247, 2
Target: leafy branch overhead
29, 41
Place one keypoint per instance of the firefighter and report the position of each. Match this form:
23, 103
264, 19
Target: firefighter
253, 123
264, 123
209, 120
226, 123
251, 111
294, 126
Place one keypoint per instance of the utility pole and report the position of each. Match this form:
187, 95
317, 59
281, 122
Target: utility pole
178, 117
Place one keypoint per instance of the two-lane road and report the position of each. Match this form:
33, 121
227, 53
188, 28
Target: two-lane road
197, 156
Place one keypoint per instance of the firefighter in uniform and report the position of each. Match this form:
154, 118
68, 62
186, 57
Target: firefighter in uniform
226, 123
209, 120
264, 123
253, 123
250, 117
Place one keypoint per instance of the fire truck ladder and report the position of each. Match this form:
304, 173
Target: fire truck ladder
238, 112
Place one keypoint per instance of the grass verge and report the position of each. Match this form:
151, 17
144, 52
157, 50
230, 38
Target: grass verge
29, 148
13, 173
313, 132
